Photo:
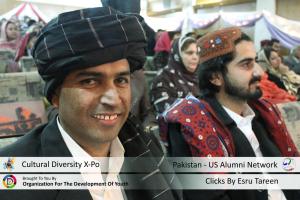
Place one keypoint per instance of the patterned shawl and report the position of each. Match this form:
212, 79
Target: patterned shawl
172, 82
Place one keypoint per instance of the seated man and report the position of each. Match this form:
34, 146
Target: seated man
229, 119
86, 57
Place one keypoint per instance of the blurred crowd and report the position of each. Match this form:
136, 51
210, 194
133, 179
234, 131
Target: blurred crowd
170, 69
16, 40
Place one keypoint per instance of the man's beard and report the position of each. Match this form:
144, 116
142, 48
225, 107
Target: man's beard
238, 92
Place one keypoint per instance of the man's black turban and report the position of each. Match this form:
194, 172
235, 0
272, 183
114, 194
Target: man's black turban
87, 38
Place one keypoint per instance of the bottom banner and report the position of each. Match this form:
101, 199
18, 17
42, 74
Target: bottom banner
134, 181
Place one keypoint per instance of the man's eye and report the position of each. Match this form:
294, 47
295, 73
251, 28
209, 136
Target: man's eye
122, 80
248, 65
88, 82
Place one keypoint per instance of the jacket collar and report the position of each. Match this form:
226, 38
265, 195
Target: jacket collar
220, 111
52, 143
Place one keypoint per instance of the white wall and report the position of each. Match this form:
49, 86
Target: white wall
261, 31
171, 21
52, 8
245, 7
230, 8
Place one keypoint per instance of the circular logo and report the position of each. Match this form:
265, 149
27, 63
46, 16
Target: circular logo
288, 164
9, 181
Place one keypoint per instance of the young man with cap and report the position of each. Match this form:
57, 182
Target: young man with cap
85, 58
229, 119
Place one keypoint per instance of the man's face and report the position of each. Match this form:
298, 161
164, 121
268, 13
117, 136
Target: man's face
243, 76
94, 102
276, 46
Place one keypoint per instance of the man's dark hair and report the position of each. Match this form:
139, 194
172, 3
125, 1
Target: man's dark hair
217, 64
273, 40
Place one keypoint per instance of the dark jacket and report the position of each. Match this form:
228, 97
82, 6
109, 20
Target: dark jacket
210, 122
46, 141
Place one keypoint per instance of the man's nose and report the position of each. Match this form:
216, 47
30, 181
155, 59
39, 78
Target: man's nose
195, 56
258, 71
110, 97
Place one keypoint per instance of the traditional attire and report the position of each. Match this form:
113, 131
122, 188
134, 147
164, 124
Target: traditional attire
77, 40
282, 77
163, 43
273, 93
11, 46
47, 141
162, 51
172, 82
103, 31
202, 128
4, 43
206, 128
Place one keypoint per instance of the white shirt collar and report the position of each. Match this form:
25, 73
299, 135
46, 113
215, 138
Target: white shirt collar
248, 115
244, 123
116, 148
115, 165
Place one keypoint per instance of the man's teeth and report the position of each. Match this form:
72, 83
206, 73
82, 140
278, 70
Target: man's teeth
106, 117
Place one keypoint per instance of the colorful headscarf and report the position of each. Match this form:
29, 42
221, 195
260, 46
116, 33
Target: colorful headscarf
4, 43
163, 43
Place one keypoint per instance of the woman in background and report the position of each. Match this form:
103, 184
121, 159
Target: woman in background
277, 72
10, 36
178, 78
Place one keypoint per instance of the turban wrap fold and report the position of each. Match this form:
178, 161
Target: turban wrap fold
87, 38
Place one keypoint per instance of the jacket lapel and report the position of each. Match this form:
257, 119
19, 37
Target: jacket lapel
53, 145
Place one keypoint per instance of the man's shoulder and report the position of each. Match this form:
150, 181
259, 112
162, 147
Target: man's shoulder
188, 106
188, 111
263, 104
27, 145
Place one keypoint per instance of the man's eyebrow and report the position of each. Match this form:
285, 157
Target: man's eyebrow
89, 73
124, 73
246, 60
99, 74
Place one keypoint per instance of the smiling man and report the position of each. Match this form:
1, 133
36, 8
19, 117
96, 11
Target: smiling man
85, 58
229, 119
99, 98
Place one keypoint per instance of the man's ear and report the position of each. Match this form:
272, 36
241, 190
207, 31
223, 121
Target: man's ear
216, 79
55, 98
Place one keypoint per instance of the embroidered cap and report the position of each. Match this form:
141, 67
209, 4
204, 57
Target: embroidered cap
218, 43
